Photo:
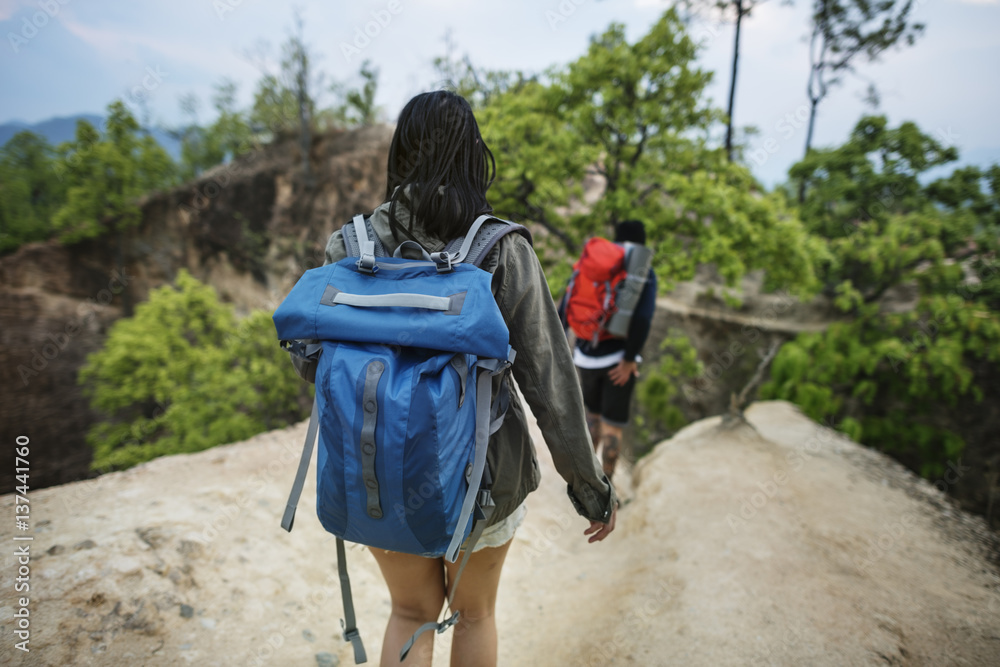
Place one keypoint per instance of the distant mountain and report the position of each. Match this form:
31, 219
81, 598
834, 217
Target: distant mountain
58, 130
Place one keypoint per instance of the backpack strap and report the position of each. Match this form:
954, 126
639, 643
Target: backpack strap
349, 623
484, 233
300, 475
478, 505
472, 248
352, 240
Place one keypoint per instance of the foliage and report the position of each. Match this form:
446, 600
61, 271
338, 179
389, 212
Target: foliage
105, 176
659, 388
844, 30
229, 136
634, 116
642, 107
885, 374
183, 375
360, 107
882, 226
30, 190
720, 219
540, 161
885, 378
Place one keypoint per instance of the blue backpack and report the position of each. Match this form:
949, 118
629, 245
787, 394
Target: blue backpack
404, 354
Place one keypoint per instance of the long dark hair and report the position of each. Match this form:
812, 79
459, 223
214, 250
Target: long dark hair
439, 166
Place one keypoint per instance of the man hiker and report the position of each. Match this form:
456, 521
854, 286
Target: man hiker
613, 287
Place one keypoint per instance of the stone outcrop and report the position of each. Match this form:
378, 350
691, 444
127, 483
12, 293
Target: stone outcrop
248, 228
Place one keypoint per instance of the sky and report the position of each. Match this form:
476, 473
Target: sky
63, 57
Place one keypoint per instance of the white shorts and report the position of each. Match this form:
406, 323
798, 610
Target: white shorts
500, 533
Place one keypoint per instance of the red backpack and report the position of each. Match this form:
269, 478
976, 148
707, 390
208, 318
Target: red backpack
591, 293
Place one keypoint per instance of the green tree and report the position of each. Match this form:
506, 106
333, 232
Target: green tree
881, 225
183, 375
735, 11
642, 106
541, 162
362, 101
228, 137
843, 31
105, 176
635, 116
285, 101
632, 121
30, 190
885, 374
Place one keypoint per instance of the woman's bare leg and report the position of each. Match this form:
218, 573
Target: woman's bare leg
475, 641
416, 587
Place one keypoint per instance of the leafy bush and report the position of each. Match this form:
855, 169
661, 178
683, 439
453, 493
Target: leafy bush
30, 190
183, 375
905, 377
659, 388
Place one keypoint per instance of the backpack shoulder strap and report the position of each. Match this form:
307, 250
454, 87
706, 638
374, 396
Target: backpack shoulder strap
484, 234
353, 244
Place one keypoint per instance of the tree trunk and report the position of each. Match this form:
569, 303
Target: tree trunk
813, 103
732, 82
738, 402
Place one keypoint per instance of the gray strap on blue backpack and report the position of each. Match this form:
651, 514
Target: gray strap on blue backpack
483, 235
472, 248
478, 504
352, 241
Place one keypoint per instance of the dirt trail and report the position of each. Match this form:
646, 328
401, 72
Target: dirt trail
784, 545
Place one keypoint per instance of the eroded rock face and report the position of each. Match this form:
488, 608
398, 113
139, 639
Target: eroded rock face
249, 229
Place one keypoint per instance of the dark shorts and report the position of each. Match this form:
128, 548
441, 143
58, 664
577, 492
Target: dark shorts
602, 397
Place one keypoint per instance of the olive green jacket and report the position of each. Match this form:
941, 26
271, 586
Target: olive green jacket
544, 371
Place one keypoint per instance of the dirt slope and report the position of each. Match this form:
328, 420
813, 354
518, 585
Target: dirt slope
784, 545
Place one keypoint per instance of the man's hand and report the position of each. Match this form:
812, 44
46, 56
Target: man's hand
601, 530
623, 372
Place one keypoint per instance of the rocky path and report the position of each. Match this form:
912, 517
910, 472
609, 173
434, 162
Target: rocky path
781, 544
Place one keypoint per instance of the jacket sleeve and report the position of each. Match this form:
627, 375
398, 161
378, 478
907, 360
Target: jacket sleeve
335, 248
544, 371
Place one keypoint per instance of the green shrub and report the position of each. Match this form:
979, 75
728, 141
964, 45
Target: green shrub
659, 389
183, 375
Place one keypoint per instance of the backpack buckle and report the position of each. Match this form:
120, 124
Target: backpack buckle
443, 261
448, 622
366, 264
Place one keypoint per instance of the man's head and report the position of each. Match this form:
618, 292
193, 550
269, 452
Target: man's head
630, 231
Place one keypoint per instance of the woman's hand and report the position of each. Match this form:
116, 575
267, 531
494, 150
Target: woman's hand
601, 530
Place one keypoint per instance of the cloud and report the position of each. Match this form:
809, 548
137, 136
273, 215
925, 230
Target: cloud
127, 44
